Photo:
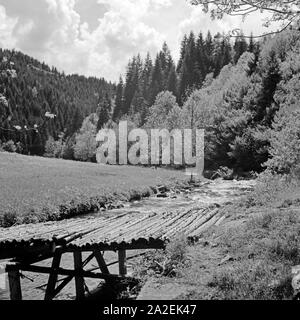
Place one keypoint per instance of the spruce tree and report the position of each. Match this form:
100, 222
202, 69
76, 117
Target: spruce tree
240, 46
172, 82
103, 112
119, 105
201, 67
182, 53
156, 84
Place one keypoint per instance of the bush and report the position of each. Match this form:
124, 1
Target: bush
86, 145
8, 219
285, 142
168, 262
9, 146
53, 149
273, 190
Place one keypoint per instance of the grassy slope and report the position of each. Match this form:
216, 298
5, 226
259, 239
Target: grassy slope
36, 189
260, 240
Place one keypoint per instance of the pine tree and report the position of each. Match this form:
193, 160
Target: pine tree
156, 84
166, 63
134, 72
172, 82
201, 67
182, 53
222, 53
119, 103
103, 112
129, 89
189, 72
240, 46
251, 47
146, 77
75, 122
209, 52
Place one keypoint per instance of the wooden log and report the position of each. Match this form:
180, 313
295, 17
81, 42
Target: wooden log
180, 226
142, 228
174, 224
14, 282
129, 227
122, 262
206, 225
100, 233
79, 281
49, 295
198, 223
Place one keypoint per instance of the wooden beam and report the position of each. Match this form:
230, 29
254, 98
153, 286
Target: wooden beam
12, 250
160, 244
68, 279
50, 290
101, 262
14, 282
79, 281
65, 282
66, 272
122, 262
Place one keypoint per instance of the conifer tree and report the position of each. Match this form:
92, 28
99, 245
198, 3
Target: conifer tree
119, 103
172, 82
156, 84
103, 112
240, 46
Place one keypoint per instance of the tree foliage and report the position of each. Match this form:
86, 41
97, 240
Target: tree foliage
285, 12
85, 144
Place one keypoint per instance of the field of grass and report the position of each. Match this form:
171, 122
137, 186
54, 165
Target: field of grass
34, 189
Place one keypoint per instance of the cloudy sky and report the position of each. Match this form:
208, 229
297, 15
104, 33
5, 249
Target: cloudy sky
97, 37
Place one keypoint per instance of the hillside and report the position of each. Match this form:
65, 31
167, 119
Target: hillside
37, 89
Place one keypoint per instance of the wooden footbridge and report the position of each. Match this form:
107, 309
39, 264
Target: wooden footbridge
27, 245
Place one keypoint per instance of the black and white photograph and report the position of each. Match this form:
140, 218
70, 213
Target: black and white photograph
149, 151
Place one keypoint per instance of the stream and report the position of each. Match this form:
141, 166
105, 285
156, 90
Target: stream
212, 192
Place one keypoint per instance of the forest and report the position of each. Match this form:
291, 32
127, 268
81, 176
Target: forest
29, 90
243, 92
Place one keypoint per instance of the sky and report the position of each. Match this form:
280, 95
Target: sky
98, 37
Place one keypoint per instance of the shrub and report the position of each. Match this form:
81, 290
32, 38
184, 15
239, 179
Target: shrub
9, 146
272, 190
168, 262
85, 146
8, 219
53, 149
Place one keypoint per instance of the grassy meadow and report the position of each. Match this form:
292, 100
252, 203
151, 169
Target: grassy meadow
34, 189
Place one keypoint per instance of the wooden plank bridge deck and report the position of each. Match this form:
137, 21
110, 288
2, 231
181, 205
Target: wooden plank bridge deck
26, 245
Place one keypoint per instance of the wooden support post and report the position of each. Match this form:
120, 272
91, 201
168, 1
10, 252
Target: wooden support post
79, 281
14, 282
122, 263
50, 290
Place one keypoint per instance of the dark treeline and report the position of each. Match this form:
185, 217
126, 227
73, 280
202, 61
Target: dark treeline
37, 89
199, 57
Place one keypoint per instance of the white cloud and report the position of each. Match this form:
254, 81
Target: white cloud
55, 32
6, 29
